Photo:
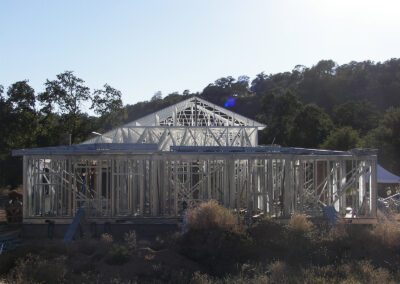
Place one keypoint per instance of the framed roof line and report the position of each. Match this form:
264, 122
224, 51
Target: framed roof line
191, 102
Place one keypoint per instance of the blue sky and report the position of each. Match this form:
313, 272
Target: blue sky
141, 47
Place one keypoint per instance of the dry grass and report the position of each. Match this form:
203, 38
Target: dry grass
107, 238
388, 233
35, 269
299, 223
279, 272
210, 215
267, 252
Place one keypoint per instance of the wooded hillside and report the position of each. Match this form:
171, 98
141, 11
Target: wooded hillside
323, 106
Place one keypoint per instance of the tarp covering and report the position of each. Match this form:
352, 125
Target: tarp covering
384, 176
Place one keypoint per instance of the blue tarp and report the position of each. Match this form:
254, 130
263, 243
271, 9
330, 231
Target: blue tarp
384, 176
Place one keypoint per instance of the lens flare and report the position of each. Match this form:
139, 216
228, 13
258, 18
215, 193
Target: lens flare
230, 103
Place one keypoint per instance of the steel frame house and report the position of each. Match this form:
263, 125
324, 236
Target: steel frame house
168, 161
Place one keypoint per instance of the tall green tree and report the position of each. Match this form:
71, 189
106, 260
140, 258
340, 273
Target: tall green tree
310, 128
386, 138
24, 125
66, 95
361, 116
5, 119
219, 91
107, 103
106, 100
279, 113
344, 139
19, 122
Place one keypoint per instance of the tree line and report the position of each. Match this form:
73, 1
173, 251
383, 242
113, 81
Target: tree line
323, 106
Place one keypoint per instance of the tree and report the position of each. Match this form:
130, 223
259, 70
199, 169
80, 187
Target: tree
241, 87
5, 119
279, 113
23, 117
22, 96
260, 84
244, 80
67, 93
225, 82
19, 126
310, 127
157, 96
361, 116
108, 103
386, 138
219, 91
344, 139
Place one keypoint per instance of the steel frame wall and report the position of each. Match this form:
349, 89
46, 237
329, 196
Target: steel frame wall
164, 184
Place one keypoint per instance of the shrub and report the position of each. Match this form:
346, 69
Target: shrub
117, 255
34, 269
8, 260
217, 251
130, 239
388, 233
57, 248
268, 239
267, 232
87, 246
209, 215
299, 223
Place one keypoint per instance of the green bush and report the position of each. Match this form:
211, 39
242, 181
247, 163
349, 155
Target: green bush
117, 255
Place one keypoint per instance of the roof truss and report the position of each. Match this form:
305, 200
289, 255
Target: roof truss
195, 112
